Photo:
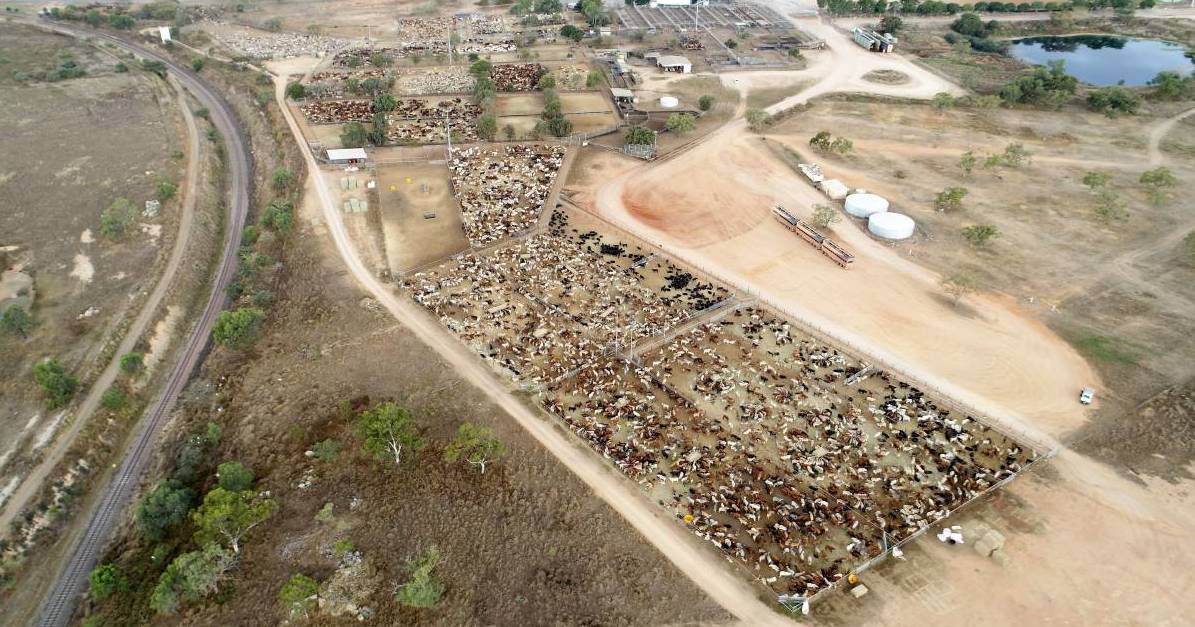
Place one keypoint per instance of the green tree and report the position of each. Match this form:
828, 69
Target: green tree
1095, 180
1156, 182
278, 216
238, 329
114, 399
384, 103
197, 64
481, 67
841, 145
354, 135
116, 219
758, 119
226, 516
163, 508
387, 431
821, 141
979, 234
943, 101
1109, 207
377, 132
891, 24
55, 382
165, 190
681, 122
959, 285
296, 91
1113, 101
298, 596
282, 179
474, 444
423, 588
1169, 85
547, 81
132, 363
190, 577
326, 450
705, 103
572, 32
966, 162
638, 135
234, 477
16, 321
106, 580
950, 199
825, 215
487, 126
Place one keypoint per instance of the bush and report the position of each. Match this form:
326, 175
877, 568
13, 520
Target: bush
354, 135
55, 382
164, 507
572, 32
1113, 101
423, 589
758, 119
16, 321
106, 580
681, 122
116, 219
298, 596
979, 234
197, 64
165, 190
278, 216
237, 330
326, 450
950, 199
282, 179
296, 91
114, 399
705, 103
132, 363
638, 135
234, 477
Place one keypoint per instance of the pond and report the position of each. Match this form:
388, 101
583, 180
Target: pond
1105, 59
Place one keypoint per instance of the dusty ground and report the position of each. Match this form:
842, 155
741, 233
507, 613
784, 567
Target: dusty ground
121, 133
407, 194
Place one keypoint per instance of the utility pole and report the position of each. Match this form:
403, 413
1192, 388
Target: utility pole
448, 134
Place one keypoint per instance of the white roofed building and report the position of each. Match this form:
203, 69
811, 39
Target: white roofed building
347, 155
674, 63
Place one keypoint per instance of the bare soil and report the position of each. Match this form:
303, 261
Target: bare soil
408, 193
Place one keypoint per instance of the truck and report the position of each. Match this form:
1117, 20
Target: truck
823, 244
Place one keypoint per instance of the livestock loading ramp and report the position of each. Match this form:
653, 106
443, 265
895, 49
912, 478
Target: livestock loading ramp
823, 244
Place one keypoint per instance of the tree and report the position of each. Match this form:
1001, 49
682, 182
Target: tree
1109, 207
638, 135
890, 24
821, 141
841, 145
278, 216
705, 103
197, 64
422, 589
354, 135
1168, 85
966, 162
326, 450
943, 101
1156, 181
55, 382
132, 363
238, 329
950, 199
190, 577
116, 219
296, 91
825, 215
572, 32
164, 507
959, 285
979, 234
547, 81
298, 596
475, 444
226, 516
387, 431
384, 102
1113, 101
758, 119
16, 321
114, 399
234, 477
487, 126
165, 190
282, 179
681, 122
377, 132
731, 43
1094, 180
481, 67
106, 580
508, 131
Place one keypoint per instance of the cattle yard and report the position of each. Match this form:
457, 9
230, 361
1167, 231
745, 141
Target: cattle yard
799, 461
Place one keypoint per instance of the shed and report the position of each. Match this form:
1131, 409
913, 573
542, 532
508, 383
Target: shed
622, 96
674, 63
346, 155
834, 188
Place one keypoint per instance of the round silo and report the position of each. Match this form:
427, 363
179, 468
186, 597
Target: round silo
864, 205
890, 225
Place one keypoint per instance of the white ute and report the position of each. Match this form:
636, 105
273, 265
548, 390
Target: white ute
1087, 395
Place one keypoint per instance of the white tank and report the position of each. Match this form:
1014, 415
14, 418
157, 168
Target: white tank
863, 205
890, 225
669, 102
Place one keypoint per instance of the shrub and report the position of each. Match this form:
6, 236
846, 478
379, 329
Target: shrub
16, 321
164, 507
165, 190
234, 477
979, 234
705, 103
55, 382
950, 199
106, 580
296, 91
132, 363
298, 596
238, 329
638, 135
116, 219
114, 399
422, 589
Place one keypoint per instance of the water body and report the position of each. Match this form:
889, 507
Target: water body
1105, 59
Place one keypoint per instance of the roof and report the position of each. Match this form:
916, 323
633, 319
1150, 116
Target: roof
343, 154
619, 92
672, 60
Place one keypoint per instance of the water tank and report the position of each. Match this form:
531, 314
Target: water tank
863, 205
669, 102
890, 225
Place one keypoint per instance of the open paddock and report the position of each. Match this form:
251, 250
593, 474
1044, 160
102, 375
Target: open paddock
421, 221
533, 103
524, 125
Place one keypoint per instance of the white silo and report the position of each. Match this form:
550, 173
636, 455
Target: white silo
863, 205
890, 225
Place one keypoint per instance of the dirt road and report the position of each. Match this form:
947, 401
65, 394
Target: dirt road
32, 483
724, 585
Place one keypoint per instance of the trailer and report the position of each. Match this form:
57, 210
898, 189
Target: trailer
823, 244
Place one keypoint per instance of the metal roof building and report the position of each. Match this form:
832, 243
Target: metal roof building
675, 63
347, 155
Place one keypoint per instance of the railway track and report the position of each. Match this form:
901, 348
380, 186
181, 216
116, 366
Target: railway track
59, 605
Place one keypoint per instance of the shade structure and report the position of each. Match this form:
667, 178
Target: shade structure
863, 205
669, 102
890, 225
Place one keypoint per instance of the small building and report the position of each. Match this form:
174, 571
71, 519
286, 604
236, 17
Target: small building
674, 63
622, 96
164, 33
834, 189
872, 40
344, 156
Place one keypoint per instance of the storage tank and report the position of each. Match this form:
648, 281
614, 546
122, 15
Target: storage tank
863, 205
890, 225
669, 102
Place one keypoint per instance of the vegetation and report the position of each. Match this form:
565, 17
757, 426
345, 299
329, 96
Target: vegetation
639, 135
1189, 243
116, 219
58, 386
594, 79
165, 190
1172, 86
1014, 156
114, 399
825, 142
950, 199
226, 516
1096, 180
959, 285
1109, 207
474, 444
706, 102
326, 450
1043, 86
1113, 101
278, 216
825, 215
1106, 349
890, 24
296, 91
979, 234
1156, 182
354, 135
554, 121
681, 122
572, 32
197, 64
16, 321
422, 589
106, 580
942, 101
165, 507
387, 431
238, 329
298, 596
234, 477
190, 577
487, 126
758, 119
966, 162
